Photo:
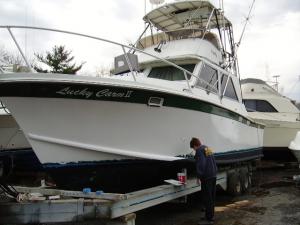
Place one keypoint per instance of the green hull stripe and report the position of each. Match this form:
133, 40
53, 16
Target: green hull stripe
112, 93
232, 152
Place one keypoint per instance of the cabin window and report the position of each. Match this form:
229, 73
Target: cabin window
230, 90
224, 79
258, 106
171, 73
208, 79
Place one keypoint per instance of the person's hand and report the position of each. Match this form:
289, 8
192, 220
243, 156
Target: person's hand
198, 181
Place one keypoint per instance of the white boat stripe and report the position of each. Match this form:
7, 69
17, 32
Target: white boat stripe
102, 148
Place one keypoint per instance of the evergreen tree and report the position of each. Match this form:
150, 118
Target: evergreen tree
59, 60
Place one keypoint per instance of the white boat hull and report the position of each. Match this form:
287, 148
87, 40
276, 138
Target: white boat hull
11, 136
295, 146
280, 116
277, 137
279, 133
62, 132
296, 153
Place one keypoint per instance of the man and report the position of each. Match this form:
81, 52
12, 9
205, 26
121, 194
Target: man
206, 169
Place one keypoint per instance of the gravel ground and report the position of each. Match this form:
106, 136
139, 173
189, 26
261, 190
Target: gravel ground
273, 200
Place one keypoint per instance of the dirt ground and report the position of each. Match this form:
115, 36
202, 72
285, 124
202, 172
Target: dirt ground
274, 199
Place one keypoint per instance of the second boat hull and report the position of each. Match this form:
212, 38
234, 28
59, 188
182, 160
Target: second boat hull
11, 136
277, 137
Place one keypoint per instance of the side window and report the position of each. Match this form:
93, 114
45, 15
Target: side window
208, 79
223, 82
170, 72
230, 90
250, 105
264, 106
259, 106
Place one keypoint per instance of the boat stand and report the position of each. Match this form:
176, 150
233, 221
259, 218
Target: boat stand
296, 179
76, 206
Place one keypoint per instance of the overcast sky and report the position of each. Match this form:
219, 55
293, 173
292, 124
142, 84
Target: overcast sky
271, 45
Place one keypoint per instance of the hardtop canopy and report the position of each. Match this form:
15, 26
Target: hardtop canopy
186, 14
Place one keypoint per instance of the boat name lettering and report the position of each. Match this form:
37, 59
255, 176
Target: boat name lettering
83, 92
109, 93
88, 93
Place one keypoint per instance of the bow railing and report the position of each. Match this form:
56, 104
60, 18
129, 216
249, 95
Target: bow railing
123, 47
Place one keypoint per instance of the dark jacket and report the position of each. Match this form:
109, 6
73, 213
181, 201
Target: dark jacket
205, 163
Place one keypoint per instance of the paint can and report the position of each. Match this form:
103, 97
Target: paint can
181, 177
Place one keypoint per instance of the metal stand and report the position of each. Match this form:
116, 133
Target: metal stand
107, 208
296, 178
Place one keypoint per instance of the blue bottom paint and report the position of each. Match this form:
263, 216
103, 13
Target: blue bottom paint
130, 175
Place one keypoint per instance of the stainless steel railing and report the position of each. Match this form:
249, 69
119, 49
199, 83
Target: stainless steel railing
123, 46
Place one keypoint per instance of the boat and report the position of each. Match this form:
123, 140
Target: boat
279, 114
16, 154
169, 87
295, 146
11, 136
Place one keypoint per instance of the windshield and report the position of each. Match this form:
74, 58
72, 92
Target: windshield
171, 73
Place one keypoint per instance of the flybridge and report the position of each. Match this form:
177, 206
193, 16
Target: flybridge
190, 19
187, 14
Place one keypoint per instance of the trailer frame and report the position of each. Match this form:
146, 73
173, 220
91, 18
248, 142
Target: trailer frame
109, 208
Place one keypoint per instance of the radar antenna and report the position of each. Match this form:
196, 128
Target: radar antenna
276, 84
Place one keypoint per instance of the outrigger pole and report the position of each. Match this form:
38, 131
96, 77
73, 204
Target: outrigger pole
246, 23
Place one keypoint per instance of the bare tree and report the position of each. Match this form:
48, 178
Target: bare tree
9, 58
102, 71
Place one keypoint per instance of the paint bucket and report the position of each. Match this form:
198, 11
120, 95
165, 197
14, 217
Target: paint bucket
181, 177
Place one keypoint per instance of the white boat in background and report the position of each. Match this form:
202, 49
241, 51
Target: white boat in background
278, 113
180, 83
16, 154
11, 136
295, 146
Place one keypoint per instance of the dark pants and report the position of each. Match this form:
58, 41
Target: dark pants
208, 187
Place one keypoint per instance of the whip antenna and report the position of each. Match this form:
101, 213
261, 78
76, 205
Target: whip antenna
247, 20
